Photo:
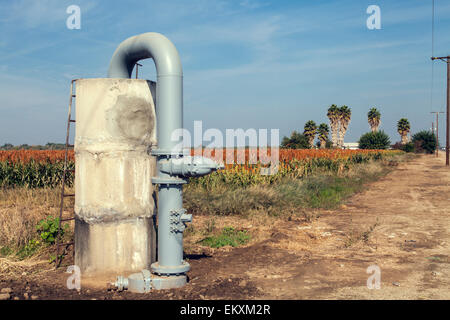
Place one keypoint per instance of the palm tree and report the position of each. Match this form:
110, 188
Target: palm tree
322, 132
345, 115
310, 132
374, 118
333, 116
403, 127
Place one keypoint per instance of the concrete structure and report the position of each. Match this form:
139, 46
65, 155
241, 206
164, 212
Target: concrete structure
169, 271
114, 196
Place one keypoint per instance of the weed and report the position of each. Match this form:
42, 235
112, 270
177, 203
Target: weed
228, 237
6, 251
210, 226
29, 249
48, 229
353, 237
52, 258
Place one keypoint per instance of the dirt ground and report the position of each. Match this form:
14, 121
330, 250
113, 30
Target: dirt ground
400, 223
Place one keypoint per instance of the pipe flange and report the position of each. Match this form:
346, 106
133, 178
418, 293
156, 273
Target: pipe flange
168, 181
167, 152
170, 270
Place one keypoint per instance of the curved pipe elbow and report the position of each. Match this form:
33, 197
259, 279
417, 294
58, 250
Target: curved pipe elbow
147, 45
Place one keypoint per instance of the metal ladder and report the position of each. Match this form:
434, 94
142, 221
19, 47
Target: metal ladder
63, 182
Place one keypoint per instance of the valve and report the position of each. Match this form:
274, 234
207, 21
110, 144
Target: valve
189, 166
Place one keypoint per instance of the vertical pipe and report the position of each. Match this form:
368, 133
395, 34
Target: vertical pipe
170, 243
169, 114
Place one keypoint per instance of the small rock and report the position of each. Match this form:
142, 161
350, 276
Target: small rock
34, 297
170, 294
243, 283
25, 295
202, 297
88, 291
5, 296
24, 273
397, 284
16, 298
6, 290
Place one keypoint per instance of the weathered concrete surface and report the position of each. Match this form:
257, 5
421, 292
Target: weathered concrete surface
119, 246
114, 196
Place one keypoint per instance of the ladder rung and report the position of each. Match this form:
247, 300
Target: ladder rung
73, 96
65, 244
70, 170
69, 195
67, 219
71, 120
70, 146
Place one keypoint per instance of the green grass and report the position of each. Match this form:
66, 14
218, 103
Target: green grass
6, 251
228, 237
319, 191
28, 250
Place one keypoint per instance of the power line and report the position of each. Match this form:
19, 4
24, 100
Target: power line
432, 28
432, 54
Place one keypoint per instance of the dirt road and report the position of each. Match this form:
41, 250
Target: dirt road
400, 224
409, 211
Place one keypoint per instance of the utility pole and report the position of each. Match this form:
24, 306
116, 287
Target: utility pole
437, 131
447, 142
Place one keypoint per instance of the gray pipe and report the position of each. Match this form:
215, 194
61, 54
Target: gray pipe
169, 114
172, 172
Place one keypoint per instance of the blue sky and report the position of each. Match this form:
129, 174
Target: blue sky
247, 63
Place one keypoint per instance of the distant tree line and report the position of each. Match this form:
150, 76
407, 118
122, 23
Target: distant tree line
48, 146
339, 117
